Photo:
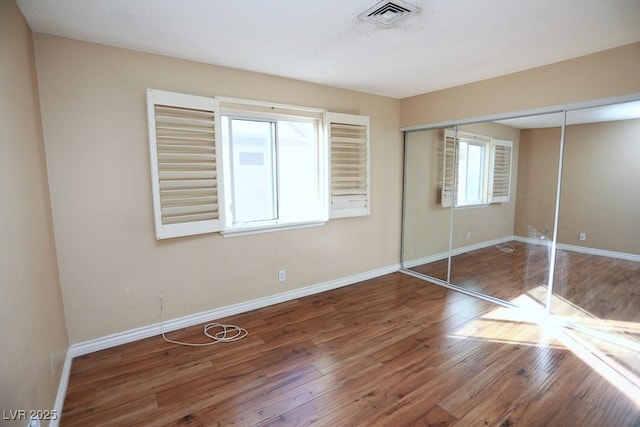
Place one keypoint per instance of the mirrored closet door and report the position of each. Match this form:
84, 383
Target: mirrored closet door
596, 287
480, 205
493, 229
427, 225
538, 212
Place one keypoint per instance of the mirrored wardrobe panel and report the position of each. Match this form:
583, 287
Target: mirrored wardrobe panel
480, 204
506, 182
596, 285
538, 212
426, 222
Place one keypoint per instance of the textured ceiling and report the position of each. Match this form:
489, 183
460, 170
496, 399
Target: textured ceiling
450, 42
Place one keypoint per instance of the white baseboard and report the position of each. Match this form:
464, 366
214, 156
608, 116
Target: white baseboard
530, 240
62, 389
581, 249
425, 260
599, 252
125, 337
444, 255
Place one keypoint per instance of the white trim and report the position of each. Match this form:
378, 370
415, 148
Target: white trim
230, 100
425, 260
599, 252
581, 249
529, 240
458, 251
247, 231
62, 388
125, 337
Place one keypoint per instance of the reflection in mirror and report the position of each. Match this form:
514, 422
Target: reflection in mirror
503, 227
597, 270
461, 229
426, 223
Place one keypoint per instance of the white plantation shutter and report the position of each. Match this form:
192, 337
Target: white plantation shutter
448, 169
186, 167
349, 163
501, 160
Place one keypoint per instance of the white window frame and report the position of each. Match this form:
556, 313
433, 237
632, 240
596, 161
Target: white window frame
449, 192
484, 175
229, 189
288, 112
218, 164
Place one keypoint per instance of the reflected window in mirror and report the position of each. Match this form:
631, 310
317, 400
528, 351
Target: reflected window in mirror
476, 169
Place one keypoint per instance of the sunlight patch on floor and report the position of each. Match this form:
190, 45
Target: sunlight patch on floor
595, 345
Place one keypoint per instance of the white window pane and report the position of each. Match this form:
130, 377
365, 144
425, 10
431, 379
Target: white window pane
298, 171
462, 172
471, 173
253, 173
475, 173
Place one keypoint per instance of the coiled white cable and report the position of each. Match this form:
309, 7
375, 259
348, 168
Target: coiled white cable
227, 333
505, 247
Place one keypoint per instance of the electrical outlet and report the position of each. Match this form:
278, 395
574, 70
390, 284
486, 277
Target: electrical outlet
583, 236
468, 235
282, 276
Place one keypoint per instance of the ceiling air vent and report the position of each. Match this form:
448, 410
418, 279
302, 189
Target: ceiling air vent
389, 13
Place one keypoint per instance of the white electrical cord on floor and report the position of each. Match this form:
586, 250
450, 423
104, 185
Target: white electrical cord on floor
227, 333
505, 247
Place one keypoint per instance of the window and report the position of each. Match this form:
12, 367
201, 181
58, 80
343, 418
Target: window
477, 170
234, 166
274, 171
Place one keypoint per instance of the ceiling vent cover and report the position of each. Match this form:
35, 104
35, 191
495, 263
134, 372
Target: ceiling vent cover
389, 13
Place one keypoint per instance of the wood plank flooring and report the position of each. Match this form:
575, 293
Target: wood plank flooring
392, 351
606, 288
597, 293
493, 272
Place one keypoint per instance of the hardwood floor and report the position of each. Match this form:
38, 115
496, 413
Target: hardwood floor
599, 294
493, 272
606, 288
392, 351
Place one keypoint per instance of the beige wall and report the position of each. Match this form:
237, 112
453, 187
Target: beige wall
600, 192
537, 182
31, 314
606, 74
111, 267
599, 195
426, 221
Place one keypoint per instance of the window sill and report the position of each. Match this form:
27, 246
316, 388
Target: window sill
247, 231
477, 205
